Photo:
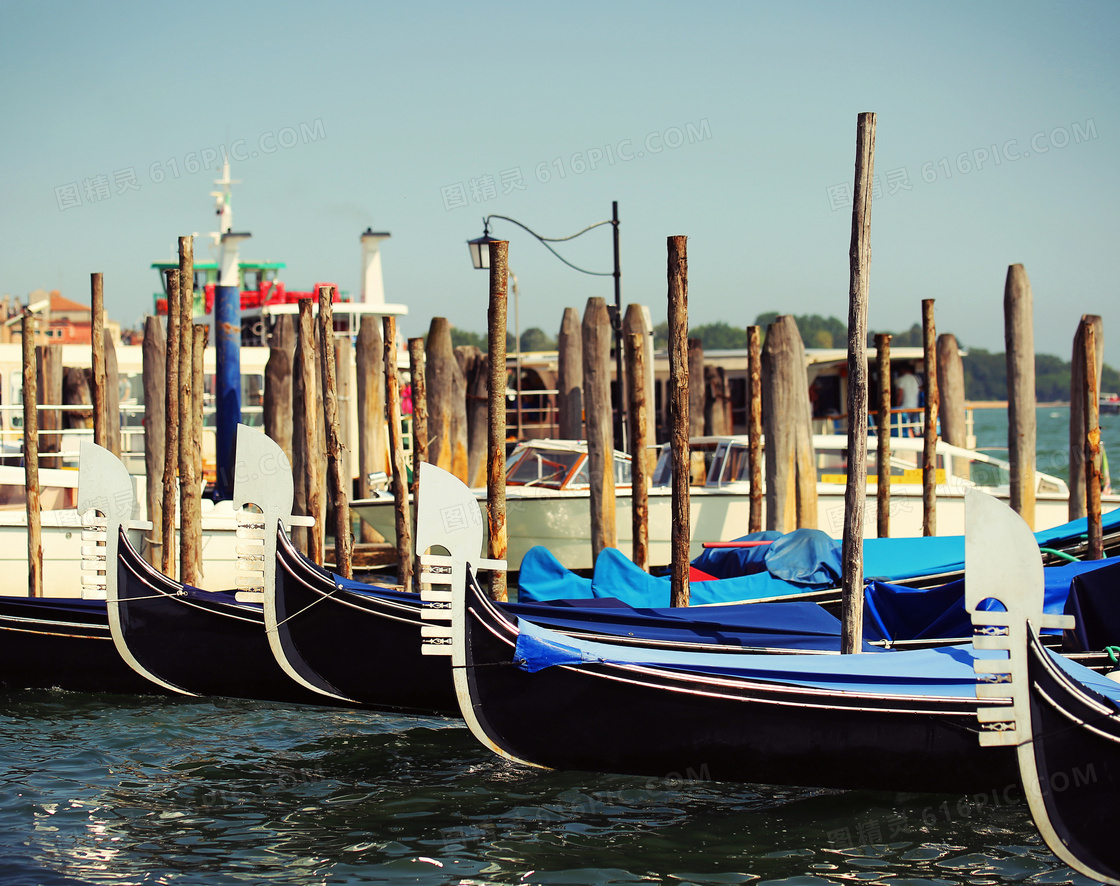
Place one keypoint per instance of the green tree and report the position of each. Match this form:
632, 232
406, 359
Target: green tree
535, 339
720, 336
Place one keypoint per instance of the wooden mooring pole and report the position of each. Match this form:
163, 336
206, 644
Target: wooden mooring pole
171, 429
190, 504
639, 459
933, 401
679, 417
307, 434
373, 447
1092, 445
1022, 431
403, 522
754, 426
883, 436
1077, 424
855, 492
155, 428
496, 425
416, 369
596, 331
31, 461
569, 400
97, 343
339, 479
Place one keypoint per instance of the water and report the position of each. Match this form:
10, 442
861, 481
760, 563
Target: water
1052, 444
117, 790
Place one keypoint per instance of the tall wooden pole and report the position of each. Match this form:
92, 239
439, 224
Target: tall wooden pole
754, 426
679, 417
200, 339
447, 402
308, 436
596, 331
855, 493
639, 461
496, 436
396, 452
1077, 423
1021, 418
343, 544
416, 370
883, 435
190, 505
155, 427
950, 391
278, 384
369, 358
48, 371
569, 400
171, 430
1092, 445
31, 461
97, 342
933, 402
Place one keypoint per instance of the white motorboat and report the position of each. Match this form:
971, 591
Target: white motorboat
548, 503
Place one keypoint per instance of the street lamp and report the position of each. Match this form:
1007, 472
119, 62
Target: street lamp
480, 258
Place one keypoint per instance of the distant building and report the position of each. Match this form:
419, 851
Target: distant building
61, 321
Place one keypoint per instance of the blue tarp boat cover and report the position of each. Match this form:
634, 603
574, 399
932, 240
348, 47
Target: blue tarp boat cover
946, 671
897, 612
1094, 601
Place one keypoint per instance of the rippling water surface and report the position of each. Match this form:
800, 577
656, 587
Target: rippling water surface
110, 789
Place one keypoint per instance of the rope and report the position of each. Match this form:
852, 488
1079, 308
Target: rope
322, 597
1061, 555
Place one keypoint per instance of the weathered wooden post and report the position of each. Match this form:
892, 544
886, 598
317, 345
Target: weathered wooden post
447, 402
416, 370
112, 396
344, 396
155, 372
474, 365
637, 320
791, 476
929, 446
883, 435
695, 387
396, 451
171, 429
48, 371
639, 441
569, 400
278, 384
190, 504
31, 461
198, 404
754, 425
307, 435
343, 545
97, 342
1092, 445
950, 386
373, 446
1077, 423
1022, 434
717, 403
75, 392
678, 397
596, 332
496, 438
855, 491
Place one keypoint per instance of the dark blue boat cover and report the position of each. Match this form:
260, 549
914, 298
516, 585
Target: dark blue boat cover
1094, 601
895, 612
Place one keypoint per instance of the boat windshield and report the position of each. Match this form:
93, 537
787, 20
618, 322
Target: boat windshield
542, 467
580, 479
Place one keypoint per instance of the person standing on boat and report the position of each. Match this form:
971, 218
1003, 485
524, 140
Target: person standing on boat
906, 396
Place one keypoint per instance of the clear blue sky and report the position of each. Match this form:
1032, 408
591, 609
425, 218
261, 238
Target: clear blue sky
404, 117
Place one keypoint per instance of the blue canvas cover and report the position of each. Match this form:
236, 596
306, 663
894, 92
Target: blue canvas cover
1094, 602
729, 562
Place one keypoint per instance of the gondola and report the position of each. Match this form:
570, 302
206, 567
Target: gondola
1064, 726
899, 721
181, 640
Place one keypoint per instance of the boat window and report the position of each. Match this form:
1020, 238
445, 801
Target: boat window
621, 471
542, 467
702, 454
989, 473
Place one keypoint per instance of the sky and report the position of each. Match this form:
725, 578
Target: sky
731, 123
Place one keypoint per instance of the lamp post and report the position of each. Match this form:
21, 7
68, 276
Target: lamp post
480, 258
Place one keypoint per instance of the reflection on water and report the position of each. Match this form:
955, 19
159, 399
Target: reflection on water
98, 789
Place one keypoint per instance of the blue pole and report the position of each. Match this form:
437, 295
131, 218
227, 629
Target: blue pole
227, 342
